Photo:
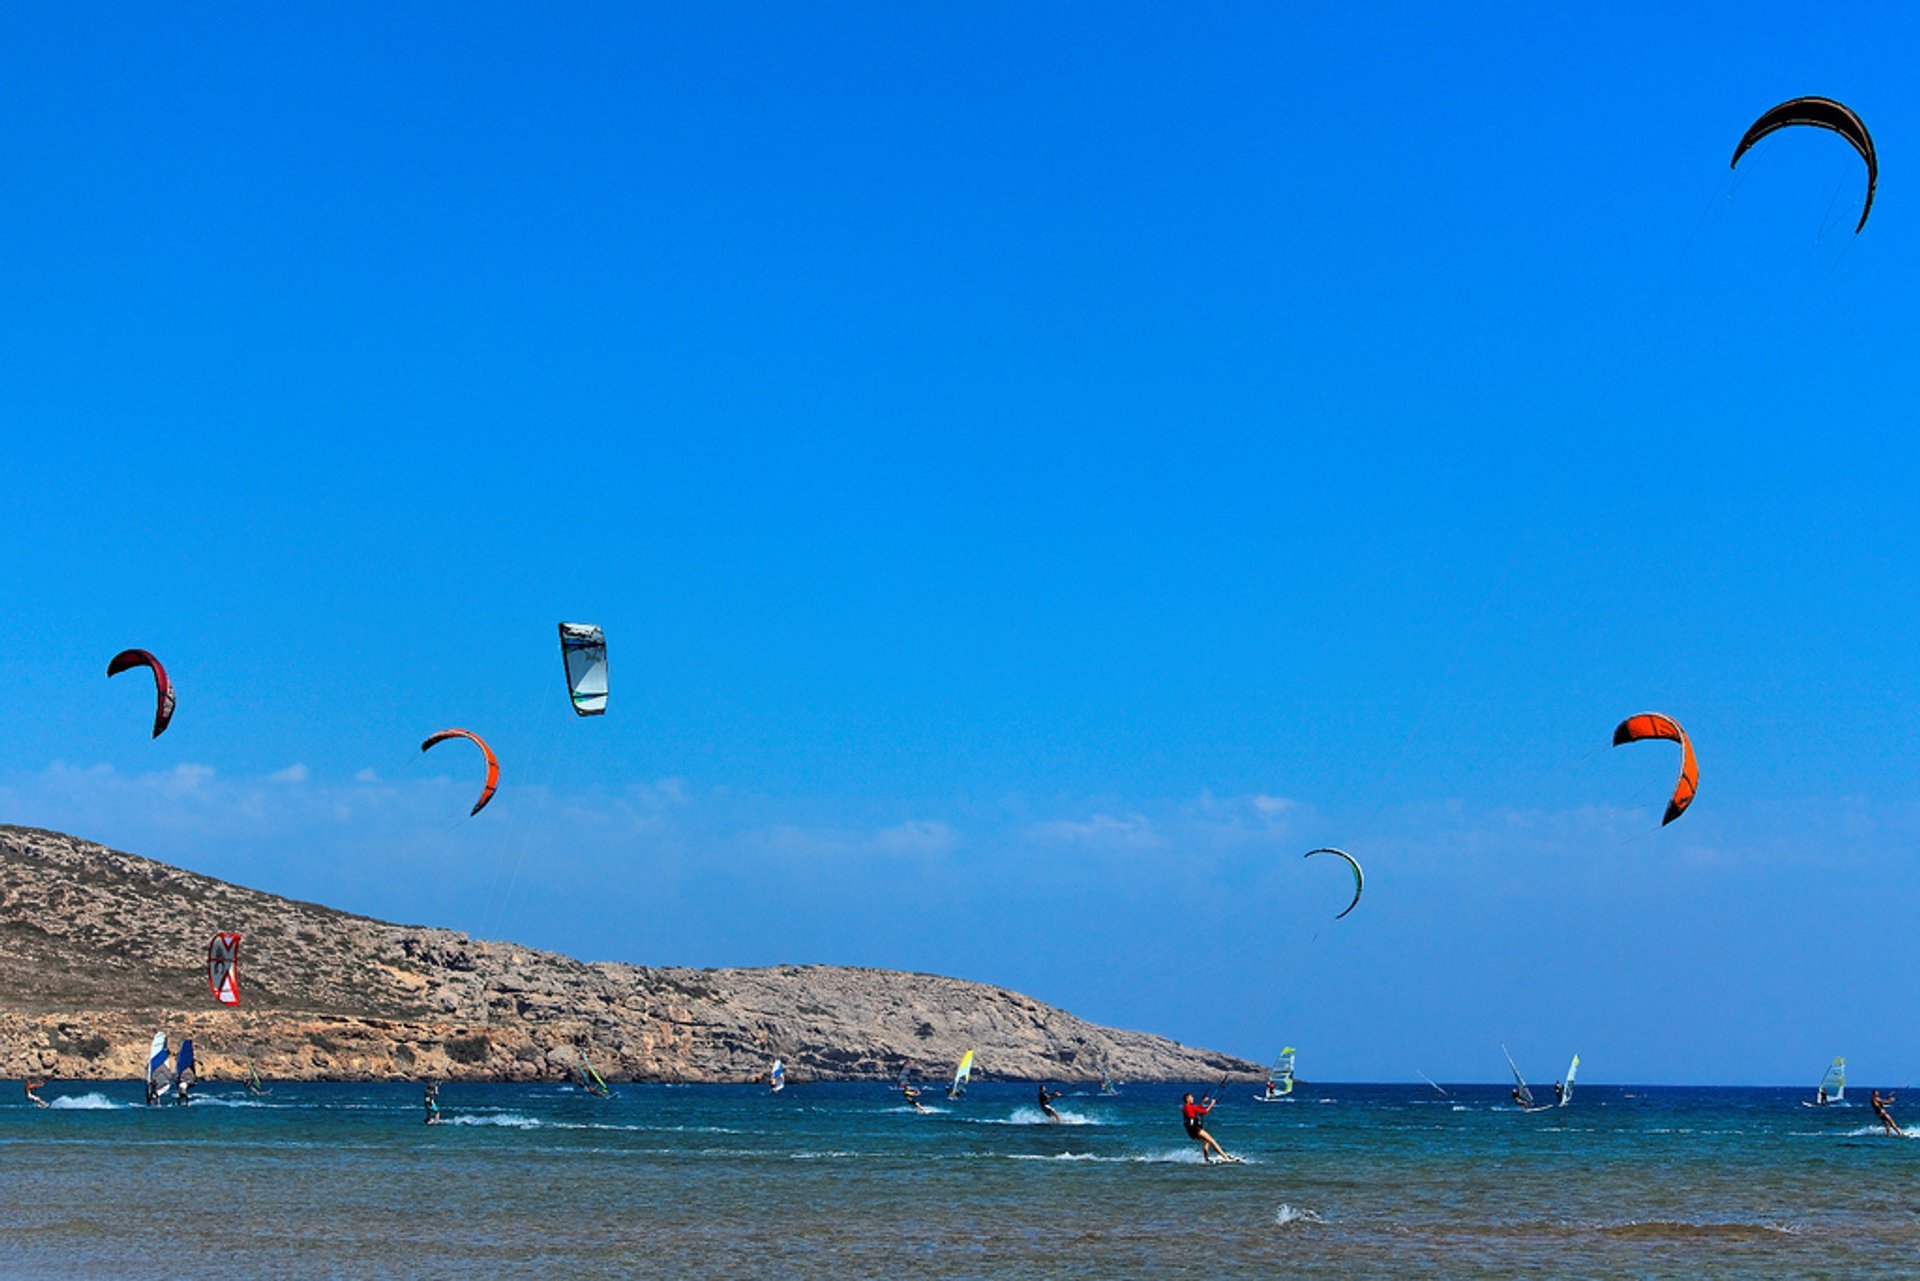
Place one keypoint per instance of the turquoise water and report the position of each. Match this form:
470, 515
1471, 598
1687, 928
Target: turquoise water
844, 1181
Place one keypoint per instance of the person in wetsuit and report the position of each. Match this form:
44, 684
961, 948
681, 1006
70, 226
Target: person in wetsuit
1190, 1114
431, 1100
1046, 1102
1879, 1106
1559, 1094
37, 1100
912, 1095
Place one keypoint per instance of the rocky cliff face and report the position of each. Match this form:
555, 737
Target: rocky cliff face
99, 949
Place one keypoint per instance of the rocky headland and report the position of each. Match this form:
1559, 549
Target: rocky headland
100, 949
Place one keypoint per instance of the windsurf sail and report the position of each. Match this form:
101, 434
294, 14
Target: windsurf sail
1519, 1082
159, 1075
778, 1076
961, 1076
254, 1085
1435, 1084
589, 1080
1834, 1083
584, 647
1107, 1084
223, 968
1566, 1088
183, 1062
1280, 1078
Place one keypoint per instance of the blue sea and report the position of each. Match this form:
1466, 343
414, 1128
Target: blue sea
845, 1180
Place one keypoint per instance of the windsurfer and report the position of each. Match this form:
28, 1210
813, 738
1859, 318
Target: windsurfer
1880, 1110
1190, 1114
912, 1096
1559, 1093
1046, 1102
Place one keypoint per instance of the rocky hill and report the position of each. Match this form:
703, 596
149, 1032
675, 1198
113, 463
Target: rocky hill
100, 949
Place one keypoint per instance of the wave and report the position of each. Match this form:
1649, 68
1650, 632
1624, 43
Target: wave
1666, 1228
511, 1120
1034, 1116
1876, 1130
1176, 1156
85, 1103
924, 1107
1287, 1216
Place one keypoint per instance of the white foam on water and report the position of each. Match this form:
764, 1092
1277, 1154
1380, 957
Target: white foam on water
924, 1107
1178, 1156
1876, 1130
1034, 1116
1287, 1216
511, 1120
85, 1103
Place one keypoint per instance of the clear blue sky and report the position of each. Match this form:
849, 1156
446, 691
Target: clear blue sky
1040, 469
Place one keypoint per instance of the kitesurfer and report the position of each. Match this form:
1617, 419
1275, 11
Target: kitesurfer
432, 1101
912, 1096
1046, 1102
1190, 1114
37, 1100
1880, 1110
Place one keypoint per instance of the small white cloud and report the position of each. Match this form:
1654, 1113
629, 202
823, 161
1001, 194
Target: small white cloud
1134, 831
921, 836
366, 776
1272, 806
294, 773
183, 778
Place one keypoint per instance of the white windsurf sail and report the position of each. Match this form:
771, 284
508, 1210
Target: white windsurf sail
779, 1075
961, 1075
1835, 1082
584, 647
1566, 1089
1281, 1077
159, 1075
1519, 1082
